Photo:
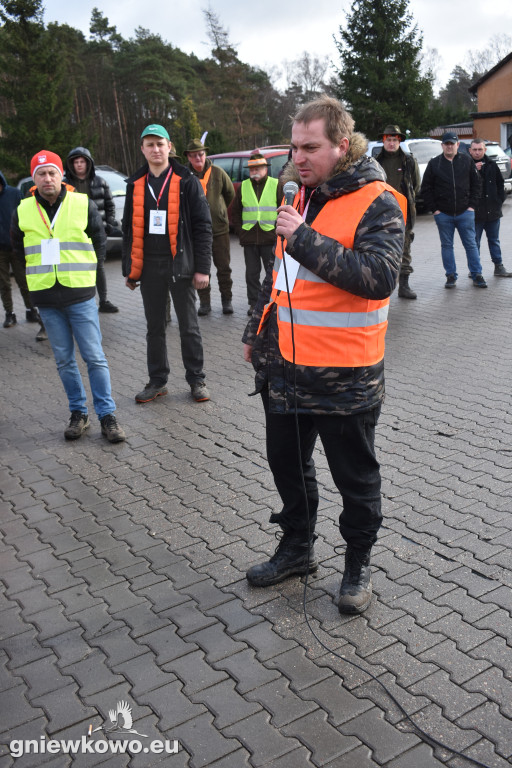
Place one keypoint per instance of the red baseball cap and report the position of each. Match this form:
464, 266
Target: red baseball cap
43, 158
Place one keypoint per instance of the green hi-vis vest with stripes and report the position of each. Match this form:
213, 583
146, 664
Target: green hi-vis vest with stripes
77, 268
263, 211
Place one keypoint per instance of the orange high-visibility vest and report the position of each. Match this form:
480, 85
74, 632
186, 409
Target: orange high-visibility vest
332, 327
173, 215
206, 178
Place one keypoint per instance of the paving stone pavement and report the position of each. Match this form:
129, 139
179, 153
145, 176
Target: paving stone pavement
122, 566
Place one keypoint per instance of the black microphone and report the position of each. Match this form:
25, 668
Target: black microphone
290, 189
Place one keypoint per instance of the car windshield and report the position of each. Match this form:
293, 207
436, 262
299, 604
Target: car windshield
424, 151
115, 181
494, 151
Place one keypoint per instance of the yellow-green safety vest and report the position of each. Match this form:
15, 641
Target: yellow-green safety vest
263, 211
77, 268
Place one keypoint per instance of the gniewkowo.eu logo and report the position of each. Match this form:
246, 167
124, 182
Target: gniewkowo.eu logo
121, 724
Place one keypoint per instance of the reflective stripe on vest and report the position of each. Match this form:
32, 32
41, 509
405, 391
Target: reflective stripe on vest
173, 215
77, 268
332, 327
262, 212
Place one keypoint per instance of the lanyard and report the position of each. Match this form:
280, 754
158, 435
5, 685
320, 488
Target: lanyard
302, 199
52, 224
163, 187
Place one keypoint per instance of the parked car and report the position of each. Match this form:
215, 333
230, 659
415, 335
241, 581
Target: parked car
499, 155
235, 163
422, 150
117, 183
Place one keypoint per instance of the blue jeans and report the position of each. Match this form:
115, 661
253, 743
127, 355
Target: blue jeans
79, 321
492, 230
464, 223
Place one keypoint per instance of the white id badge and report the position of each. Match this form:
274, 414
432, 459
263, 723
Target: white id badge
50, 251
292, 267
157, 222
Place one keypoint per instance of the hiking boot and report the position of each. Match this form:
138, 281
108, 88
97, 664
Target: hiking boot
10, 319
111, 429
356, 585
199, 391
479, 282
107, 306
151, 392
227, 307
289, 559
204, 308
500, 271
32, 315
78, 423
41, 335
451, 281
404, 291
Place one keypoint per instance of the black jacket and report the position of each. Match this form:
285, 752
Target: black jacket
194, 249
492, 195
60, 295
451, 186
97, 188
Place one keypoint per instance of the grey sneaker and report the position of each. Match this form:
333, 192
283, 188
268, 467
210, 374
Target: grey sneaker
111, 429
199, 392
501, 271
150, 392
78, 423
451, 281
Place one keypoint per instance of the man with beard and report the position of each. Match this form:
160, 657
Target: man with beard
343, 239
403, 174
219, 192
254, 218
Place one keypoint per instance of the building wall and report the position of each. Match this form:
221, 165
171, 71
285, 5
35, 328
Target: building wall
496, 93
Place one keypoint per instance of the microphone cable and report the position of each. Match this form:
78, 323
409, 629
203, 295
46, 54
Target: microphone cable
423, 735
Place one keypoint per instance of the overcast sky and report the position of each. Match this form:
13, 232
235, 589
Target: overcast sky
267, 32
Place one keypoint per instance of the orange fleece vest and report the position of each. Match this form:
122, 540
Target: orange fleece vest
332, 327
173, 215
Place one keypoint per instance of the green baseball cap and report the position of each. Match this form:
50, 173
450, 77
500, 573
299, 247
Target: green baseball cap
155, 130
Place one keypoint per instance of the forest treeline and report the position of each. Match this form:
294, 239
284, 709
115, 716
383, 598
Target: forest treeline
60, 89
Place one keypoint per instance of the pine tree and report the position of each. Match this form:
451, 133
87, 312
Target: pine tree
36, 94
380, 75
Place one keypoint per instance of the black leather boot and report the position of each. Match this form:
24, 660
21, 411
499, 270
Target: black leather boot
404, 291
356, 586
289, 559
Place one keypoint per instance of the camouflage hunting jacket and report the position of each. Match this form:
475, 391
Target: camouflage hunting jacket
369, 270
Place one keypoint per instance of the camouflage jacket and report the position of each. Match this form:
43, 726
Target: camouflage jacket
369, 270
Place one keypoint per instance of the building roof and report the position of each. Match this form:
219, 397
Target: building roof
474, 88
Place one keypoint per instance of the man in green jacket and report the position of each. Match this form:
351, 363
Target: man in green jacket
403, 174
219, 192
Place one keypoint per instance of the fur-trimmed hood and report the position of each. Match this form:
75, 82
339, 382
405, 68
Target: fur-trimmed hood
354, 170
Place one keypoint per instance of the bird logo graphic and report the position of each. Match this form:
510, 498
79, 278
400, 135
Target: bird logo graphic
121, 721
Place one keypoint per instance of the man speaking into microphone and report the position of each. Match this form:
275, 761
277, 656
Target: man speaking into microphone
316, 340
